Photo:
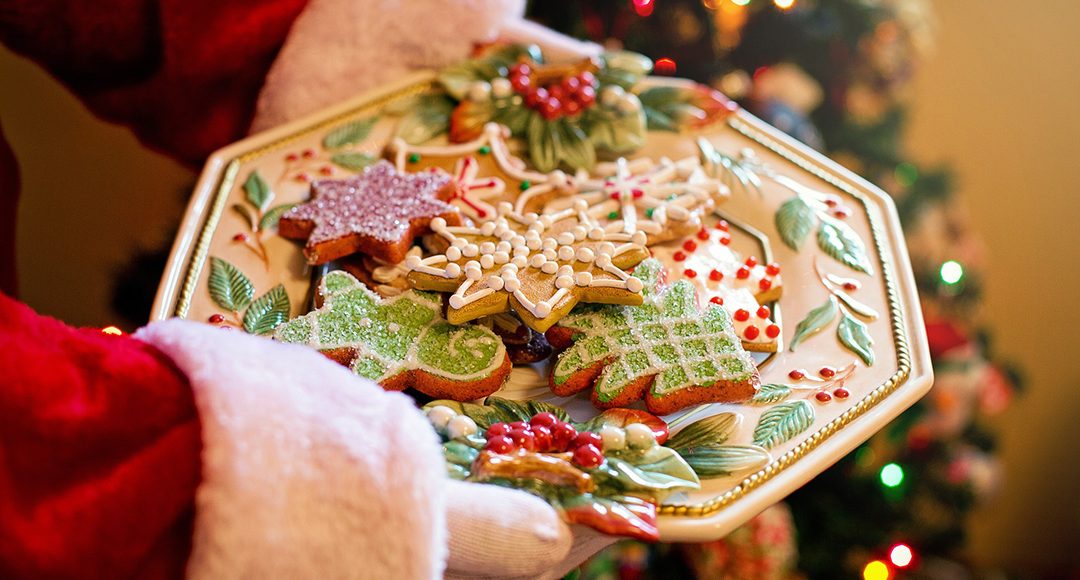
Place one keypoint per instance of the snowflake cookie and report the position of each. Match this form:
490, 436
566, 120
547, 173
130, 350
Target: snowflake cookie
668, 351
664, 199
400, 342
722, 276
482, 173
538, 265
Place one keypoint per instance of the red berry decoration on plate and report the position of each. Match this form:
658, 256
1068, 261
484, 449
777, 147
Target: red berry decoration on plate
827, 372
523, 438
588, 438
216, 318
500, 444
562, 435
496, 429
588, 456
796, 375
543, 438
823, 397
841, 393
543, 419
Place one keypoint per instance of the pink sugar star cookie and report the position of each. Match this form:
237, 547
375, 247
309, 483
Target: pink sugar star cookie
379, 213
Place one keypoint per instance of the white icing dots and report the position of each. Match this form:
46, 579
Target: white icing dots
526, 247
634, 285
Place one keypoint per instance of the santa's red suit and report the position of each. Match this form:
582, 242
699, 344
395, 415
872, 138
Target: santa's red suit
191, 450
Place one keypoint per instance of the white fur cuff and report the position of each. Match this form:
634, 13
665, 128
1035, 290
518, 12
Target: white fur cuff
308, 470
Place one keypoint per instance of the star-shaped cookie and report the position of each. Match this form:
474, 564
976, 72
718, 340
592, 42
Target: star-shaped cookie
377, 213
538, 265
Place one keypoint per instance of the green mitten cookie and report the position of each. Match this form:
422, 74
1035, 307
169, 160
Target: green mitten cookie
400, 342
668, 350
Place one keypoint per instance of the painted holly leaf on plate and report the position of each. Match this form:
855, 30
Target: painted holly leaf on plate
782, 422
399, 342
667, 351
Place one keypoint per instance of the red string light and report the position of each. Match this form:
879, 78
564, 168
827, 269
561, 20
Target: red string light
664, 66
643, 8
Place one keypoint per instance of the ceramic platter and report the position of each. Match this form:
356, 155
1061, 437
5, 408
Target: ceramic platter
867, 297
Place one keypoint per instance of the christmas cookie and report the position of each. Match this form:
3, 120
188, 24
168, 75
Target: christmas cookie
666, 200
523, 344
539, 266
482, 173
377, 213
668, 351
400, 342
741, 285
385, 279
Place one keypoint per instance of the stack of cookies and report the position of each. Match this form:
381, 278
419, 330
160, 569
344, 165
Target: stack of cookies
456, 262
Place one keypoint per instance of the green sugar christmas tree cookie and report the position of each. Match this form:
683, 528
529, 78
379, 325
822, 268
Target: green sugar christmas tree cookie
400, 342
668, 351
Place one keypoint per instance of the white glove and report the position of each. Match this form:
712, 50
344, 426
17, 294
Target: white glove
338, 49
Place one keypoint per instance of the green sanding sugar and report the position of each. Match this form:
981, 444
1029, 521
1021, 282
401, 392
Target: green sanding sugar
389, 336
667, 336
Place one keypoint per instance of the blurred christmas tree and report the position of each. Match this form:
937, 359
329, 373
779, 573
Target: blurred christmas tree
835, 74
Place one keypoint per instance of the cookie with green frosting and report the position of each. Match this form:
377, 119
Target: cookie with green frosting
400, 342
669, 351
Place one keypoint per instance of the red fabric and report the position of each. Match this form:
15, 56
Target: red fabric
99, 453
943, 336
184, 74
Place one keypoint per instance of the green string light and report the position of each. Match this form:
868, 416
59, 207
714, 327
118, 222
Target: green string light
892, 475
951, 272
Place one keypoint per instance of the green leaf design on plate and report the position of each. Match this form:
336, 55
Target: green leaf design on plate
771, 393
271, 218
613, 131
349, 133
838, 240
258, 190
428, 118
816, 320
854, 336
524, 410
856, 306
484, 415
268, 311
543, 143
664, 472
229, 287
724, 460
461, 455
245, 213
782, 422
709, 431
794, 221
574, 146
352, 160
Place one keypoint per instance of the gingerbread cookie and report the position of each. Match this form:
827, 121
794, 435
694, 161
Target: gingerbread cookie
377, 213
538, 265
741, 285
668, 351
666, 200
385, 279
400, 342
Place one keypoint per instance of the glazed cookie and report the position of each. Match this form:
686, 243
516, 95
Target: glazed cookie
539, 266
664, 199
667, 351
377, 213
400, 342
482, 173
741, 285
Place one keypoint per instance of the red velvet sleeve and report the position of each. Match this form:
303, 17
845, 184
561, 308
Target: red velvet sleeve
99, 453
184, 74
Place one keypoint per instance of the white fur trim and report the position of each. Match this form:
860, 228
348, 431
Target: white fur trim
337, 49
308, 470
